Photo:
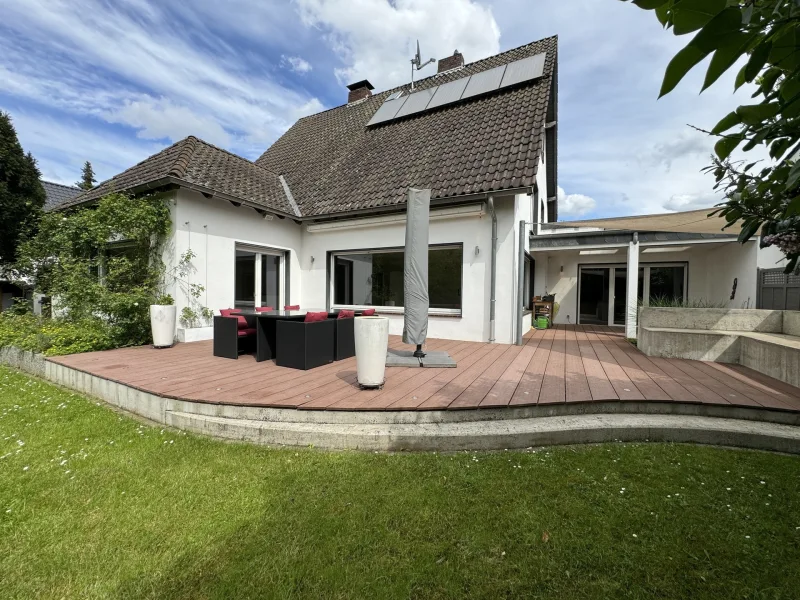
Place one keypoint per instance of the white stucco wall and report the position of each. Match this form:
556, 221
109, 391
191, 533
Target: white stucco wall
212, 228
472, 232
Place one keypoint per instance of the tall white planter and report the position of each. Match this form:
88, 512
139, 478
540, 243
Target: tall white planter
372, 342
162, 323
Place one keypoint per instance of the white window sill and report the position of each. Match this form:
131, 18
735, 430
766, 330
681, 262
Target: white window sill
398, 310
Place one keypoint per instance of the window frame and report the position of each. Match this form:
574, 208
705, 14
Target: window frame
283, 273
399, 310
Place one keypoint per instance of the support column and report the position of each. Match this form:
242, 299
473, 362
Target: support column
632, 288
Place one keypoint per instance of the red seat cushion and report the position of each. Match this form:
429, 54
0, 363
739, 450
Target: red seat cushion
292, 307
227, 312
246, 332
346, 314
368, 312
242, 323
313, 317
264, 308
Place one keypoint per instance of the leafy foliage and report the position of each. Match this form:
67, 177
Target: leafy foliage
767, 32
102, 263
87, 177
21, 193
55, 336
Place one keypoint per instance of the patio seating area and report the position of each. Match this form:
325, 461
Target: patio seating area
565, 365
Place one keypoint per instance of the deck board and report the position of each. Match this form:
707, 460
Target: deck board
564, 364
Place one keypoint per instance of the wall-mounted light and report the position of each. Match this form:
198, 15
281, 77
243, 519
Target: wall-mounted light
312, 260
477, 250
562, 268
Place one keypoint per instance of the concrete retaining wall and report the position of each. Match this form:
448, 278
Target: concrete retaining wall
725, 319
694, 345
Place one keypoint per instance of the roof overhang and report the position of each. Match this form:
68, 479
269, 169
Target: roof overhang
693, 221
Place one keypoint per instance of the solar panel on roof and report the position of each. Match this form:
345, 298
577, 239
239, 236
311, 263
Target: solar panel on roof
483, 82
395, 96
388, 110
448, 92
523, 70
416, 102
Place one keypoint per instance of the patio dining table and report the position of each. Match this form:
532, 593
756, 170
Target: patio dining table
266, 327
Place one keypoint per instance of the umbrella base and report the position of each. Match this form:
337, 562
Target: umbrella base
432, 359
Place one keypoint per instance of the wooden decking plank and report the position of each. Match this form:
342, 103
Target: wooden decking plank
577, 383
640, 378
474, 394
670, 385
792, 393
445, 396
501, 392
623, 386
701, 392
530, 384
599, 385
761, 397
554, 389
730, 395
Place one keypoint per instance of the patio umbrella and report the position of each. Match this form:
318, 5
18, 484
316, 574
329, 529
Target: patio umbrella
415, 270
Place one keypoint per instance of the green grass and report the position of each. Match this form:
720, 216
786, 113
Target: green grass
111, 508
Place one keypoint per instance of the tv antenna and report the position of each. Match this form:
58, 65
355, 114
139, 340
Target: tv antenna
417, 64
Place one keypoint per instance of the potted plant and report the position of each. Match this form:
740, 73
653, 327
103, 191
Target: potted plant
162, 321
195, 325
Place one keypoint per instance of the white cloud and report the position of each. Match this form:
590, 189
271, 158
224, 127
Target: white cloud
681, 202
295, 63
375, 39
574, 205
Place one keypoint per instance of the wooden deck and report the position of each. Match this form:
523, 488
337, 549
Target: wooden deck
561, 365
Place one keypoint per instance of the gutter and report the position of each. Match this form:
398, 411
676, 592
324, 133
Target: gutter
492, 291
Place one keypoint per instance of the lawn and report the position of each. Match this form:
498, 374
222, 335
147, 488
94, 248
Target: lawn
94, 504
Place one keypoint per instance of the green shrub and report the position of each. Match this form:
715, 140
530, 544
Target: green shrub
53, 337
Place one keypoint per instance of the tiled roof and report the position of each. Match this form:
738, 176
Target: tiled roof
334, 163
57, 194
331, 162
194, 161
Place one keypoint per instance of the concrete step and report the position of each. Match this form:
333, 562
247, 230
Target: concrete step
498, 434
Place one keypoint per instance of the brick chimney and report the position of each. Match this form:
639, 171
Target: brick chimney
359, 90
451, 62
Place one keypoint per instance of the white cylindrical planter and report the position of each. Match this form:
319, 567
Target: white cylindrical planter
162, 323
372, 342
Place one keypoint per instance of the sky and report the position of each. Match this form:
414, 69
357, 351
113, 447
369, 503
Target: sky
114, 81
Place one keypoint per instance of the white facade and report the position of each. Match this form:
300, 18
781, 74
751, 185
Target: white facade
214, 229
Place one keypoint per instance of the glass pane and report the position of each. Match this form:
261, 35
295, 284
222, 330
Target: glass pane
620, 295
621, 291
594, 296
666, 283
245, 284
377, 279
270, 280
444, 277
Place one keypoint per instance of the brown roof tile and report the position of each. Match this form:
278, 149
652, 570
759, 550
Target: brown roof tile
334, 163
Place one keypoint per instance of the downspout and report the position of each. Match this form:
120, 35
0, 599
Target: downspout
492, 292
518, 309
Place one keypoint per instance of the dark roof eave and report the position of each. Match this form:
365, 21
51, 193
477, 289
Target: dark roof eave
163, 181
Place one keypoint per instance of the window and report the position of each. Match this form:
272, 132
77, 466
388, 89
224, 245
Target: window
257, 279
375, 278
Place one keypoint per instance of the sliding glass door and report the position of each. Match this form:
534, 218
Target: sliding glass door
602, 290
258, 277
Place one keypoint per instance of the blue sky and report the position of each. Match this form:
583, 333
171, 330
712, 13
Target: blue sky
112, 82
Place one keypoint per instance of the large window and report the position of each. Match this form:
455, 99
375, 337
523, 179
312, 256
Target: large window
258, 274
375, 278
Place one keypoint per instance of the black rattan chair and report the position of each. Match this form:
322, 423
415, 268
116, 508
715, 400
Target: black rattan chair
301, 345
230, 339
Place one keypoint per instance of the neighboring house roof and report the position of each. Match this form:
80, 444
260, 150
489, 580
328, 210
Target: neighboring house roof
58, 194
198, 164
334, 163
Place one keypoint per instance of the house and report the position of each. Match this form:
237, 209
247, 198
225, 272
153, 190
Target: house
56, 194
601, 270
318, 219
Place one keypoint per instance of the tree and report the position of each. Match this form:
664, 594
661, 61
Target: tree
21, 193
87, 177
767, 33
